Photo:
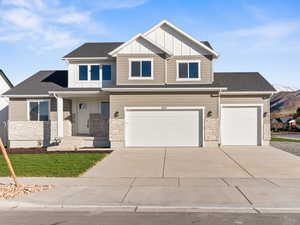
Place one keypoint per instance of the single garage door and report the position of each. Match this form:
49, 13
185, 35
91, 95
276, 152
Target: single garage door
163, 128
241, 125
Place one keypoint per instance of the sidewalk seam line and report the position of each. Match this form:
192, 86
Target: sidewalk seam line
239, 165
164, 163
124, 197
223, 179
271, 182
245, 196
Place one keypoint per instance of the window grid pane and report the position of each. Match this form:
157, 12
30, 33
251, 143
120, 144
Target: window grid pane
146, 69
44, 111
95, 72
33, 111
106, 72
135, 68
183, 70
83, 72
193, 70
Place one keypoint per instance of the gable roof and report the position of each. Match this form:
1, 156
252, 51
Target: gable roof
2, 74
201, 44
204, 44
95, 49
112, 53
44, 82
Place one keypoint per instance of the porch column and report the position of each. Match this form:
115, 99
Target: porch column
60, 117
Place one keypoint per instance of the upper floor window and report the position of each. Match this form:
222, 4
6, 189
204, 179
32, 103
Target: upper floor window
188, 70
106, 72
92, 72
140, 68
95, 72
83, 72
39, 110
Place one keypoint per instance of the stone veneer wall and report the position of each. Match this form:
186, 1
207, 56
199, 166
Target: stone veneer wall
211, 132
116, 134
34, 133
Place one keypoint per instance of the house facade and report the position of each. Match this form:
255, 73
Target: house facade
158, 89
5, 85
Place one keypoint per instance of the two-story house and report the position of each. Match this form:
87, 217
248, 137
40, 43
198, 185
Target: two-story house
158, 89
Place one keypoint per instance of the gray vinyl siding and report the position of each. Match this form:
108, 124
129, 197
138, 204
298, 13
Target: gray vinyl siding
205, 71
123, 69
119, 101
159, 69
18, 109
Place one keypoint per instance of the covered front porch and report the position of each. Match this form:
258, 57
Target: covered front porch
82, 120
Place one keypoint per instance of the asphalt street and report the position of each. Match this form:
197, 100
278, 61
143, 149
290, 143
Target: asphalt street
93, 217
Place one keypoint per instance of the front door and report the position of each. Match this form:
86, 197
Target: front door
83, 118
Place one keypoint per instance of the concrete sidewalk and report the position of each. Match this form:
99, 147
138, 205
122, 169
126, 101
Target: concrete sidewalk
164, 194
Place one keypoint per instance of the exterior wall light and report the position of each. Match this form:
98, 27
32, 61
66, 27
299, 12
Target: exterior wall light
116, 114
209, 114
265, 114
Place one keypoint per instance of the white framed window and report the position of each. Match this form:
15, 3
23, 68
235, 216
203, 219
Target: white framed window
38, 110
188, 69
141, 69
94, 72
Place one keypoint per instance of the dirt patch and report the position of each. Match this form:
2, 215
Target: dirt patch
44, 151
8, 191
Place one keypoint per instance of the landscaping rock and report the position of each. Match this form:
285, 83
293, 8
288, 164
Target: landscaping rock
8, 191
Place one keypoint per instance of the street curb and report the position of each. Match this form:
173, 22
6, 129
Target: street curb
7, 204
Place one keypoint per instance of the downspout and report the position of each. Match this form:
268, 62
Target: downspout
219, 112
166, 70
56, 117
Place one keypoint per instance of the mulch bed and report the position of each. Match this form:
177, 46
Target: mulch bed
44, 151
8, 191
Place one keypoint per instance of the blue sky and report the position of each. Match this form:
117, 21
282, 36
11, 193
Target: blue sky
252, 35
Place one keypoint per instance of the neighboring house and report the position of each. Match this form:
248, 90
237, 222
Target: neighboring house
5, 85
158, 89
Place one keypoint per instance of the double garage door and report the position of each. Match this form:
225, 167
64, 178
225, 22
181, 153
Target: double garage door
240, 125
163, 128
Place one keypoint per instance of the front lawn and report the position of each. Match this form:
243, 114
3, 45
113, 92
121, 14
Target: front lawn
50, 165
284, 140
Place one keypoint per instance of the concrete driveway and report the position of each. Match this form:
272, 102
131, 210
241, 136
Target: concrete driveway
233, 162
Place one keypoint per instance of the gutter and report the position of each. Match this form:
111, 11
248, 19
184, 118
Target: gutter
161, 89
248, 92
25, 96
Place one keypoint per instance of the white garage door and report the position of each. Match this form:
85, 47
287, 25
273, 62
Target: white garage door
163, 128
240, 125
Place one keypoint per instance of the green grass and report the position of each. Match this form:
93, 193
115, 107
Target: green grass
284, 140
50, 165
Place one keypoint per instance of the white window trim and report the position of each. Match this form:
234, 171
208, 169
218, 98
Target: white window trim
37, 100
188, 61
89, 71
140, 78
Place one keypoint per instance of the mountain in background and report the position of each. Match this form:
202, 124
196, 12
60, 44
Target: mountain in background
285, 102
281, 88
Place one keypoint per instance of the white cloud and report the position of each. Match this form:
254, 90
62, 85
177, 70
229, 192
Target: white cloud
275, 30
21, 18
49, 24
25, 3
74, 17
